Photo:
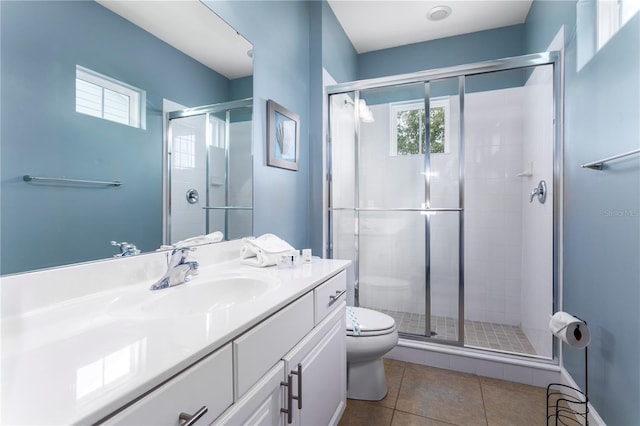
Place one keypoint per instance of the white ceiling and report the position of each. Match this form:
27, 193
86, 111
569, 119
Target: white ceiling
380, 24
191, 27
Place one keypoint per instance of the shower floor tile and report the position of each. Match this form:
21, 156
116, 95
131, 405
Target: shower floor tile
486, 335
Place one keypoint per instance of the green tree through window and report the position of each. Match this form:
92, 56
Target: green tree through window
410, 125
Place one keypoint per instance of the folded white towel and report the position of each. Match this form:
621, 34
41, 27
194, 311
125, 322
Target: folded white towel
264, 250
214, 237
269, 243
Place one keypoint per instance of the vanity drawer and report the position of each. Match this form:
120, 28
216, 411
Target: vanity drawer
259, 349
329, 294
209, 383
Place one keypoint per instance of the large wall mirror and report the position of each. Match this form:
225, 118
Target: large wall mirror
86, 87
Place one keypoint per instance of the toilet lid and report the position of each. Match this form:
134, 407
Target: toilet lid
362, 321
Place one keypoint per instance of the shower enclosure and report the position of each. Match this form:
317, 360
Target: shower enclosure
209, 178
434, 196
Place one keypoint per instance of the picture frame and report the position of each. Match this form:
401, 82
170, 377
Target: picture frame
283, 137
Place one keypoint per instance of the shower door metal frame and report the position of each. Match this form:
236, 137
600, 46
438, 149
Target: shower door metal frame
192, 112
553, 58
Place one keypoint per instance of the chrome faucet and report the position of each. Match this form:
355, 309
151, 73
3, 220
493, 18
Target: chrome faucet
126, 249
179, 270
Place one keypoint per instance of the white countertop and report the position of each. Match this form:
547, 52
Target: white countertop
80, 359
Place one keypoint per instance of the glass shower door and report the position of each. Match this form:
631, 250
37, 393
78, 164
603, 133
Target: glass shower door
395, 207
432, 197
509, 150
210, 177
390, 196
230, 170
188, 175
445, 275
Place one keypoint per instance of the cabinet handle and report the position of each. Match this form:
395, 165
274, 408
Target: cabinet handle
334, 297
289, 409
191, 419
298, 373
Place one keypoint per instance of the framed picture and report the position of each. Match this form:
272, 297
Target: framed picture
283, 137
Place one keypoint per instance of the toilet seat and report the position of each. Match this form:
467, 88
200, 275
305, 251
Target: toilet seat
367, 322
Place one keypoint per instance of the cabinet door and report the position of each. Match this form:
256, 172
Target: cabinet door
322, 359
261, 347
206, 384
261, 405
329, 295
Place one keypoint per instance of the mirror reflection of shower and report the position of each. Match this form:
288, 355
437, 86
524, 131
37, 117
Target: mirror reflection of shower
209, 152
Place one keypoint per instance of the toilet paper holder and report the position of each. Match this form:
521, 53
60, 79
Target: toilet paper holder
566, 403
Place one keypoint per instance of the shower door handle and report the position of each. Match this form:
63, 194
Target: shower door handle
540, 191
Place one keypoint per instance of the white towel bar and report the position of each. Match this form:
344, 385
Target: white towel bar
597, 165
29, 178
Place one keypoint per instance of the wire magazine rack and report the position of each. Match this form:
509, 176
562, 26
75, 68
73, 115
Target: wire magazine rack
566, 406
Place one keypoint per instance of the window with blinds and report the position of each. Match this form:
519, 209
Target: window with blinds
103, 97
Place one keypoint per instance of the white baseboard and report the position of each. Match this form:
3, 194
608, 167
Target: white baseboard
535, 372
594, 417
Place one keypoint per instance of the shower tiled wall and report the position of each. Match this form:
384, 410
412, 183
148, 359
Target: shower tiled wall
493, 205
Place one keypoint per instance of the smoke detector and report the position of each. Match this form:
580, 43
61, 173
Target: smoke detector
439, 13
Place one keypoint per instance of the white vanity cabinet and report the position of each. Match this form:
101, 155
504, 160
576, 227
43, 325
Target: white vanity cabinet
288, 369
317, 366
310, 381
328, 295
308, 386
260, 348
262, 404
208, 384
93, 345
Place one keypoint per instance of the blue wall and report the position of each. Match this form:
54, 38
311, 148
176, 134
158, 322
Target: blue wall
464, 49
45, 225
601, 209
279, 32
241, 88
339, 57
334, 53
293, 41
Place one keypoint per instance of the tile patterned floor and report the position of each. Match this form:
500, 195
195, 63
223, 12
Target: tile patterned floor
427, 396
486, 335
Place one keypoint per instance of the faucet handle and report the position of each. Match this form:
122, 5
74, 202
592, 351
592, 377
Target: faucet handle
126, 249
179, 255
114, 243
182, 251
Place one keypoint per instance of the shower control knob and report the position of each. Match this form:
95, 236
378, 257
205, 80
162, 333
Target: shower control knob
192, 196
540, 191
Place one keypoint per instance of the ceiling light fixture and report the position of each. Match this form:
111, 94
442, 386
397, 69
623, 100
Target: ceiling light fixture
439, 13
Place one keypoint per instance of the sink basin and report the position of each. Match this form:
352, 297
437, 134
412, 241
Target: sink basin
195, 297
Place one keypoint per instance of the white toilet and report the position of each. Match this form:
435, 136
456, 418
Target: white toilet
370, 335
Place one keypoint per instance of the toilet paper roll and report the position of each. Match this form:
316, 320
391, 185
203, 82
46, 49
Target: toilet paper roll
570, 330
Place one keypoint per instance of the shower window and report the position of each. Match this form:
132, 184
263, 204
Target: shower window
409, 124
184, 151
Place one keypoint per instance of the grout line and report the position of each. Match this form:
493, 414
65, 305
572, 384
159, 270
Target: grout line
404, 369
393, 414
505, 337
424, 417
484, 407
